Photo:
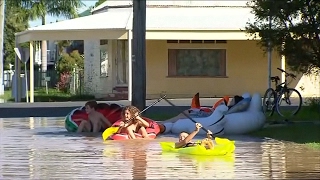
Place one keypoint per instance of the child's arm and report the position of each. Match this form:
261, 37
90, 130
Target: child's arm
187, 139
121, 126
130, 132
143, 122
104, 119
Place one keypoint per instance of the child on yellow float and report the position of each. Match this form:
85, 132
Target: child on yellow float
185, 139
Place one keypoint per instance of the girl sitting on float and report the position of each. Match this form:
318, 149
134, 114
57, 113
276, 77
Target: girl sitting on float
132, 122
185, 139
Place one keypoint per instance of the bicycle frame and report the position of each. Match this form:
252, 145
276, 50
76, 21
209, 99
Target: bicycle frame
281, 92
282, 87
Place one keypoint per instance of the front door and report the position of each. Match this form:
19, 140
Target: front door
121, 63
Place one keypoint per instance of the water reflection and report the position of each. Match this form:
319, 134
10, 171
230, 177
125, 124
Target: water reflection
40, 148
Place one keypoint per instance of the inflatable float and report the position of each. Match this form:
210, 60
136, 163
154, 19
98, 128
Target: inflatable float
243, 117
202, 167
220, 149
153, 130
111, 111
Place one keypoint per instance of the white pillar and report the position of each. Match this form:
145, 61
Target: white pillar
269, 58
31, 70
130, 65
92, 66
17, 78
283, 66
2, 19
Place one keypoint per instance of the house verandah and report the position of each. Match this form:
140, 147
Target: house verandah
186, 52
116, 27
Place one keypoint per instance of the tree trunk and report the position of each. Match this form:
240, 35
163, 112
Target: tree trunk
44, 59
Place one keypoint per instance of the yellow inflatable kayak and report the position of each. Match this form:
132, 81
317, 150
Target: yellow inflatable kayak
222, 147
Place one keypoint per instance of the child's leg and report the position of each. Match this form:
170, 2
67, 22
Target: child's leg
84, 126
143, 132
96, 127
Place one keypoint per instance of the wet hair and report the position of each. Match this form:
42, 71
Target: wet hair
132, 109
92, 104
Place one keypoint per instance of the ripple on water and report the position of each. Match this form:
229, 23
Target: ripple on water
40, 148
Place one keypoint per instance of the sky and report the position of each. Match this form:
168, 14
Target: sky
49, 19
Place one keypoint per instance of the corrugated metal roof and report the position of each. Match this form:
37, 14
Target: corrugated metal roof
218, 18
175, 3
113, 19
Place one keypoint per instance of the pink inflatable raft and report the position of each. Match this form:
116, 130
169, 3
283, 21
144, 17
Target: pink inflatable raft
153, 130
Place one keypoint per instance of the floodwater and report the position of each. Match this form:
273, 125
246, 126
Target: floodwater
40, 148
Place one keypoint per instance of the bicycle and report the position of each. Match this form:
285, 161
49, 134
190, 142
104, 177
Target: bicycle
273, 98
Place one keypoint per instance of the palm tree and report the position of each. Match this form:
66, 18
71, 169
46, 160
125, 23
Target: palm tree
16, 20
40, 8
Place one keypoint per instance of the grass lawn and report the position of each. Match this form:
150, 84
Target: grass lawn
6, 95
306, 113
298, 132
53, 95
302, 133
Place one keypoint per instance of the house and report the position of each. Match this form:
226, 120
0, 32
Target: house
191, 46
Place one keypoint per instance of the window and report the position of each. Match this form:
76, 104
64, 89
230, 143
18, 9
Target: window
197, 62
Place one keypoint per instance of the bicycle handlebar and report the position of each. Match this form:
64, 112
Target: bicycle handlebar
289, 74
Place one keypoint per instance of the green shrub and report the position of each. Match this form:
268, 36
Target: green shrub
313, 103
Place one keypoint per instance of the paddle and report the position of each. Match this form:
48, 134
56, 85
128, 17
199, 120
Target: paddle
189, 117
112, 130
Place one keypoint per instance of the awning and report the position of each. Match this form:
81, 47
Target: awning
107, 25
196, 23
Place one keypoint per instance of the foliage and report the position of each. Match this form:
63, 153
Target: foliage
313, 103
16, 20
78, 59
294, 32
63, 44
99, 2
54, 95
67, 62
64, 82
41, 8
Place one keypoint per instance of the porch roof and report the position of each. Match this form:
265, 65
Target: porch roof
161, 23
108, 25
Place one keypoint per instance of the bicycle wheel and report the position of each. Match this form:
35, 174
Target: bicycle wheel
269, 102
289, 103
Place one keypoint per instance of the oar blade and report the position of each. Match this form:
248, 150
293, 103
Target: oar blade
108, 132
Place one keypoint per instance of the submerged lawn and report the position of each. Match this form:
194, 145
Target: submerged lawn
302, 133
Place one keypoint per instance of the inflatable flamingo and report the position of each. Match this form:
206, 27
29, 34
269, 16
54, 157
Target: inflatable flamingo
243, 117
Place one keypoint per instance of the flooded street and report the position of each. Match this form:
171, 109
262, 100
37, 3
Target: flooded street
40, 148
